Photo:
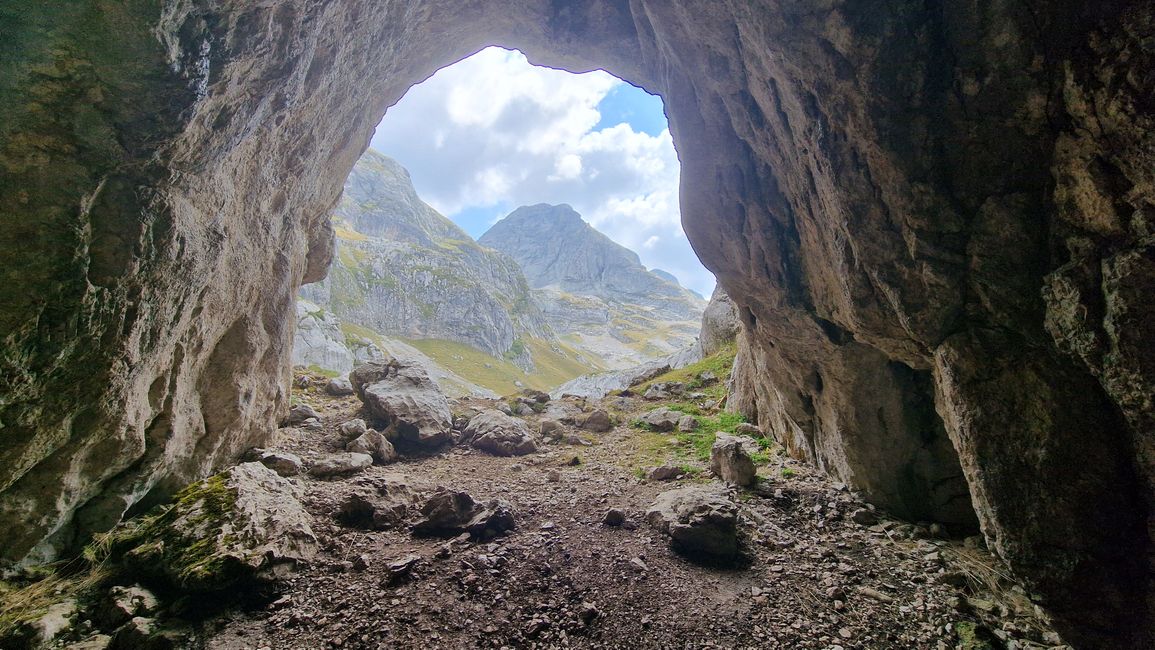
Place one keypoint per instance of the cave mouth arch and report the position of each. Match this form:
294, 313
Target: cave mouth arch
834, 167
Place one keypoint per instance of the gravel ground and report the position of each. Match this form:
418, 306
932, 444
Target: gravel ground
810, 576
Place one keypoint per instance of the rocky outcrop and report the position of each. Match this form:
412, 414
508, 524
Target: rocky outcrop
600, 384
935, 219
226, 532
319, 341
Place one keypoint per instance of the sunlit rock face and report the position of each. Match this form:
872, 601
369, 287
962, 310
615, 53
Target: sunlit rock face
936, 221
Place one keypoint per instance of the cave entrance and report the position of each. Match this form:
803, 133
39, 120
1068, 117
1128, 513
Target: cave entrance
573, 177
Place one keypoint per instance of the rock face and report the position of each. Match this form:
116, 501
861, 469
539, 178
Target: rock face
405, 399
935, 219
319, 341
403, 269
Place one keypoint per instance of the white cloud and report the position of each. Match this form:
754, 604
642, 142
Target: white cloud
494, 131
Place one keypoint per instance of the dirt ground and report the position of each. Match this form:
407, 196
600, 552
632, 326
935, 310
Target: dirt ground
811, 577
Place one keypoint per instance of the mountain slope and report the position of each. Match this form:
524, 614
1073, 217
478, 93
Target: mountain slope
595, 293
403, 269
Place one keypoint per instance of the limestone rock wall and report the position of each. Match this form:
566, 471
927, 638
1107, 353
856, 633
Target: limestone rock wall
935, 219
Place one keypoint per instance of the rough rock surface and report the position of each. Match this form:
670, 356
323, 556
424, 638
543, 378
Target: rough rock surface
495, 432
449, 512
730, 460
720, 323
374, 444
227, 531
701, 521
319, 341
935, 220
662, 419
405, 399
404, 269
339, 464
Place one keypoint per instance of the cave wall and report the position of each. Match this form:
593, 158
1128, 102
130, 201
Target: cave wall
936, 219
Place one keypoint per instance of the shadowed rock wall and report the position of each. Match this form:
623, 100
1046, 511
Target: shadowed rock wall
936, 219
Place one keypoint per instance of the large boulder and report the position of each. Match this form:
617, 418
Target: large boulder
340, 464
730, 459
701, 521
404, 398
495, 432
232, 530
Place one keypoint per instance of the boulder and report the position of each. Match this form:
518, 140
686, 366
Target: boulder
664, 390
701, 521
661, 419
665, 473
281, 462
338, 464
374, 444
551, 429
499, 434
339, 387
300, 413
536, 395
448, 513
719, 322
730, 459
406, 399
687, 423
747, 429
353, 429
598, 421
229, 531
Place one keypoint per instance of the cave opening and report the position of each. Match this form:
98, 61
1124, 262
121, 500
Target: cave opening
896, 171
573, 177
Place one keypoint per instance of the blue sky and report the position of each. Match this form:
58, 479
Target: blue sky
492, 132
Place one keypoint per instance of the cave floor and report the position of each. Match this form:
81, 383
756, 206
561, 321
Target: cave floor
811, 578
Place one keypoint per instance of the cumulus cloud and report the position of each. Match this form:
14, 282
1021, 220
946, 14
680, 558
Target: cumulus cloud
492, 133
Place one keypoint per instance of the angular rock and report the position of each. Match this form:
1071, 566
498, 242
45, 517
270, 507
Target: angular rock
701, 521
687, 423
665, 473
730, 460
281, 462
551, 429
338, 464
499, 434
747, 429
300, 413
404, 397
339, 387
720, 323
662, 419
614, 517
56, 621
374, 444
353, 429
536, 395
449, 512
232, 530
665, 390
598, 421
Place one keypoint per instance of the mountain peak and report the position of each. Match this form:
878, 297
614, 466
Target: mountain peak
555, 247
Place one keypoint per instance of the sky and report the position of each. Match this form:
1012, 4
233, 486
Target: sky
492, 133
